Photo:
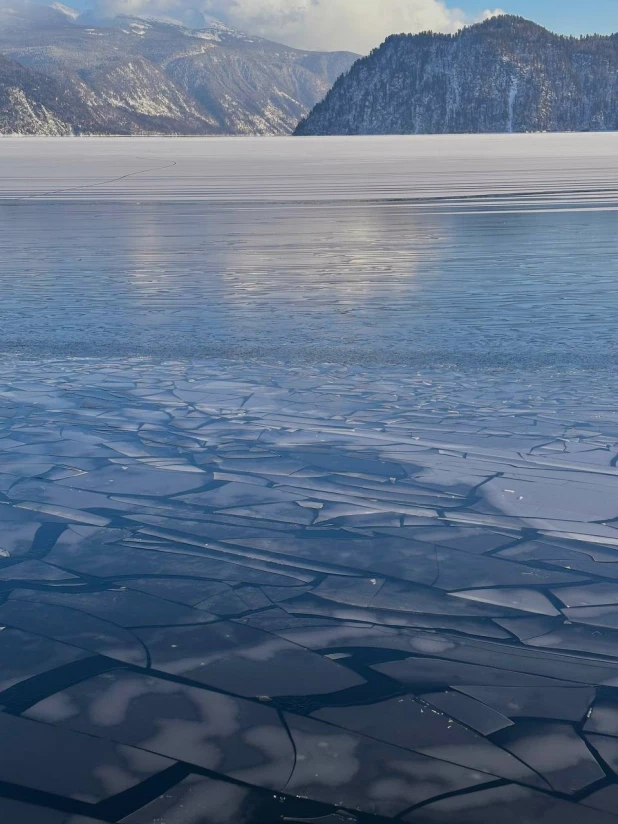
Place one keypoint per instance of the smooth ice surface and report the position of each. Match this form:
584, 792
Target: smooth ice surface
309, 509
474, 250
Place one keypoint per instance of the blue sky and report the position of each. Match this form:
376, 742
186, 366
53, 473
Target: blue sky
564, 16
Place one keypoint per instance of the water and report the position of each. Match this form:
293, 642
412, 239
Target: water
308, 481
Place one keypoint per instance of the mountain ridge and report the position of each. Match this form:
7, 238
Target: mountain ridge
504, 74
147, 76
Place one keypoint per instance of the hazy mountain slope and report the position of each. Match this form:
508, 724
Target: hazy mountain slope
32, 103
146, 97
506, 74
140, 75
249, 91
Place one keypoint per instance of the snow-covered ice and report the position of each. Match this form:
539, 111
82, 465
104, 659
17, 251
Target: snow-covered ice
544, 169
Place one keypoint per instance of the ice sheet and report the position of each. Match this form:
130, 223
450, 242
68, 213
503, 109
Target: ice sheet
326, 531
314, 169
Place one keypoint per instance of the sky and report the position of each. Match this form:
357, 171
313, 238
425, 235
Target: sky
359, 25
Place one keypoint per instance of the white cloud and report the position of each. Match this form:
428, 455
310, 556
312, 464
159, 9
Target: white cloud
357, 25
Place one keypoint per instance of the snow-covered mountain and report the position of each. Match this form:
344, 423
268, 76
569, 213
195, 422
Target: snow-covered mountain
33, 103
66, 73
504, 75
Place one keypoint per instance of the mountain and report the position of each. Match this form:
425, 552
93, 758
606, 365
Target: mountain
503, 75
66, 73
33, 103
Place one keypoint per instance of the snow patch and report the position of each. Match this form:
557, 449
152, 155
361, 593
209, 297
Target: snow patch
511, 103
68, 11
139, 29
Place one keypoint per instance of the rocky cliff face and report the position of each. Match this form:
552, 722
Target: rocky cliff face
132, 76
504, 75
33, 103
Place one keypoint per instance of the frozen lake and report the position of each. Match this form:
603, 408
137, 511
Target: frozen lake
459, 250
522, 169
309, 481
